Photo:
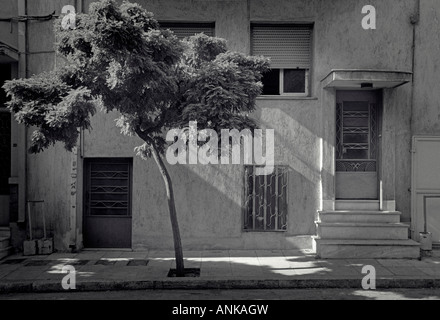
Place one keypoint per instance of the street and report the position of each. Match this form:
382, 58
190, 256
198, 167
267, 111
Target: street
273, 294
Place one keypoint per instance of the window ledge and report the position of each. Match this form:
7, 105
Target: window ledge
285, 98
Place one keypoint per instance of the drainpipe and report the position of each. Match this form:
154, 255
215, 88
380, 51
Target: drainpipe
248, 17
25, 128
415, 19
76, 156
22, 170
79, 6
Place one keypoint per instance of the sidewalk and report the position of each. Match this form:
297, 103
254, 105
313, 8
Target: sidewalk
220, 269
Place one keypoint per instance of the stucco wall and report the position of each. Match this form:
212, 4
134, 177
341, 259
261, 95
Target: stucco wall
9, 31
209, 198
48, 180
426, 113
396, 164
47, 177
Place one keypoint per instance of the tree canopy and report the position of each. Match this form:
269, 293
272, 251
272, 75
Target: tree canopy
118, 58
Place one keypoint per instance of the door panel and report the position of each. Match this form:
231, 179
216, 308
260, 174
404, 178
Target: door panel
105, 232
357, 133
107, 208
425, 188
356, 185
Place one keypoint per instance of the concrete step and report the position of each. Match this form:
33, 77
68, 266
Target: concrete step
372, 205
367, 249
360, 216
5, 252
5, 232
362, 231
4, 242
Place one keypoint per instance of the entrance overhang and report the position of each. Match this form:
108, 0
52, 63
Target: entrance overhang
8, 54
354, 79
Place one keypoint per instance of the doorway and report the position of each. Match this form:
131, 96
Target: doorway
107, 203
357, 151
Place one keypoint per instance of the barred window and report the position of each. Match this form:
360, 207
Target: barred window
5, 132
265, 207
108, 191
183, 30
289, 47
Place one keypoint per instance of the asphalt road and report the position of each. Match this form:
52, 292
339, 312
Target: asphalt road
296, 294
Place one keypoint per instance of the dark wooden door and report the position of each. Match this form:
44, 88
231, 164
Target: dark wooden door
357, 144
107, 203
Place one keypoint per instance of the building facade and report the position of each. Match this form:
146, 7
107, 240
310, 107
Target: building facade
356, 115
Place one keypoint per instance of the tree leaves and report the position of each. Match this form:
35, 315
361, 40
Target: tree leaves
119, 59
224, 87
201, 49
54, 108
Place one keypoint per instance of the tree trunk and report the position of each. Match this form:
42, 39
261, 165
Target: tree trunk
173, 215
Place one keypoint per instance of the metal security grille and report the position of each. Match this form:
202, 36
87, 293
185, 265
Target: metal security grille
107, 203
108, 190
288, 46
183, 30
265, 207
356, 137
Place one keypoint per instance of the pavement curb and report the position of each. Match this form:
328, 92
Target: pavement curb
181, 284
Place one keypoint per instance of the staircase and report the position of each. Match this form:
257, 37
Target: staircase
363, 234
5, 236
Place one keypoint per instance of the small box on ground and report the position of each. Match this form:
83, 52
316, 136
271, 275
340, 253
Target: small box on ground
45, 246
30, 247
426, 241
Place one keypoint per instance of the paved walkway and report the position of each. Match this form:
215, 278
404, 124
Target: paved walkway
221, 269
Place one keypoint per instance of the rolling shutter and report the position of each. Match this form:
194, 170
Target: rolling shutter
288, 46
183, 30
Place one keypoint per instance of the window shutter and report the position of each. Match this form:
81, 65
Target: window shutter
288, 46
183, 30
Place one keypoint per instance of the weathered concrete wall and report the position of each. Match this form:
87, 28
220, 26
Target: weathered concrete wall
426, 112
40, 34
396, 162
48, 180
8, 30
46, 173
342, 43
426, 100
339, 42
209, 198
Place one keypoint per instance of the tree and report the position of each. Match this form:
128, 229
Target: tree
118, 58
